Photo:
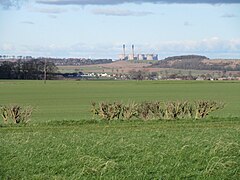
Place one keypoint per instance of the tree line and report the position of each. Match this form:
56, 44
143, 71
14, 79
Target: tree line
32, 69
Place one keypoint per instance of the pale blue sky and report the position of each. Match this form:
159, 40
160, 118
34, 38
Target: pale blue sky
98, 29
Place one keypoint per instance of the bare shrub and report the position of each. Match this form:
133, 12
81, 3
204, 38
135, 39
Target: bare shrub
203, 108
4, 113
144, 111
108, 111
130, 111
16, 113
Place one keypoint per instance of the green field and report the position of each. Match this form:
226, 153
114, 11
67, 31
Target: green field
63, 141
71, 100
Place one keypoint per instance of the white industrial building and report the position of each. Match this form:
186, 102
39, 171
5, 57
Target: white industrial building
140, 57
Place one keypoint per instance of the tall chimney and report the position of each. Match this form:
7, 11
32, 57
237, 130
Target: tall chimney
124, 51
133, 51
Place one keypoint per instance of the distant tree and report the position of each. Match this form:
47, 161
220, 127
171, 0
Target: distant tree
152, 75
166, 74
7, 70
190, 74
32, 69
51, 70
180, 72
208, 76
137, 75
224, 73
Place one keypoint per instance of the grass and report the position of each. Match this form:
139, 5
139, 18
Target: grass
71, 100
126, 150
64, 142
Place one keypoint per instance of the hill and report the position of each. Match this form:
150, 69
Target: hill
198, 63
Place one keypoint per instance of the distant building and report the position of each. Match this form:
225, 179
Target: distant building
155, 57
123, 57
132, 55
150, 57
141, 57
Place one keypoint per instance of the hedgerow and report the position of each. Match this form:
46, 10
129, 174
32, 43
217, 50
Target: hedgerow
150, 110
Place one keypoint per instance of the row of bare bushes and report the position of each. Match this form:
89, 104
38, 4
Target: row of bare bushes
16, 114
155, 110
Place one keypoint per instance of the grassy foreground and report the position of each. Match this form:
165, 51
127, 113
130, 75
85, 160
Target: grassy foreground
127, 150
62, 142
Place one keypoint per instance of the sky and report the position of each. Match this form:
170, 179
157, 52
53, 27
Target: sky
99, 28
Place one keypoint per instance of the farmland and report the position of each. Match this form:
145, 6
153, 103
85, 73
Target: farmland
64, 141
126, 66
160, 70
